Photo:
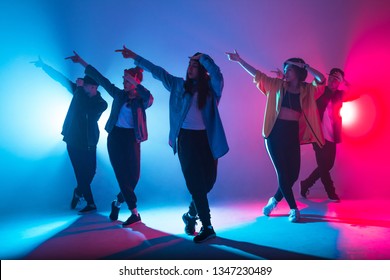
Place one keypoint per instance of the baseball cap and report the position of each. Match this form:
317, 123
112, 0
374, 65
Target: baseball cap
90, 81
337, 73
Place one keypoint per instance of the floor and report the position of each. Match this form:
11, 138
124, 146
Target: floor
349, 230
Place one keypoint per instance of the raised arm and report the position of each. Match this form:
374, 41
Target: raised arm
55, 75
320, 78
95, 74
316, 74
236, 57
216, 77
77, 59
169, 81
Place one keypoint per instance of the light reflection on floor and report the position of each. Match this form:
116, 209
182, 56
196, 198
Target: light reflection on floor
20, 236
348, 230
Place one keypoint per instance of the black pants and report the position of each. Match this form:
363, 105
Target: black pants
84, 166
285, 152
124, 152
199, 169
325, 158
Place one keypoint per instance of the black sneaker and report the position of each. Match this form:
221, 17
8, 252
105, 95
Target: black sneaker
114, 211
304, 189
190, 224
75, 200
132, 220
205, 234
88, 209
334, 197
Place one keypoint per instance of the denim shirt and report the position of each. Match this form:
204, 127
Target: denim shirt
180, 101
138, 106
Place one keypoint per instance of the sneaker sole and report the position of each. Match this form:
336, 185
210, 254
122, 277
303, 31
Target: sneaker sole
85, 213
125, 226
303, 195
115, 218
186, 224
268, 213
73, 205
189, 233
208, 238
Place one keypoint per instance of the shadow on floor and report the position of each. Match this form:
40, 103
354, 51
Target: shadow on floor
95, 237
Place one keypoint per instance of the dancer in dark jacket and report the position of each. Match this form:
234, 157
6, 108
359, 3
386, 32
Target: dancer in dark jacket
126, 129
81, 131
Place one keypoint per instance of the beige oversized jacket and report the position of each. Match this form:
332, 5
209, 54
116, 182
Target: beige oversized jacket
309, 122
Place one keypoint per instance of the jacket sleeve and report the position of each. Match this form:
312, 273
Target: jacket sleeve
146, 96
158, 72
266, 84
99, 106
216, 76
60, 78
101, 80
319, 88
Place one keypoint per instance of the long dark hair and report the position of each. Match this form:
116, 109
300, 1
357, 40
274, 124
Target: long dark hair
201, 85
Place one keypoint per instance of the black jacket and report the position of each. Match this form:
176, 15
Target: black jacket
80, 128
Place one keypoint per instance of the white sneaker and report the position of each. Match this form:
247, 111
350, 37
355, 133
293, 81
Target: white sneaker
294, 216
271, 205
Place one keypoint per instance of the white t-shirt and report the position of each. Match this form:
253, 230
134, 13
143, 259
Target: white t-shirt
125, 118
327, 123
194, 118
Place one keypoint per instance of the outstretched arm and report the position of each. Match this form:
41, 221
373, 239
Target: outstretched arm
55, 75
158, 72
95, 74
127, 53
77, 59
236, 57
264, 83
38, 63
